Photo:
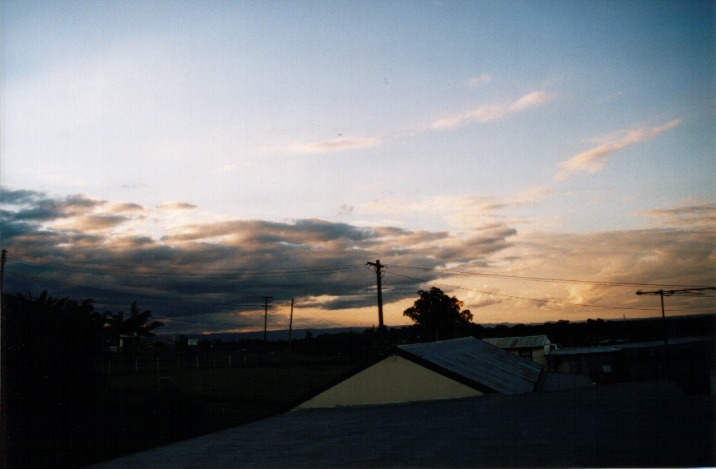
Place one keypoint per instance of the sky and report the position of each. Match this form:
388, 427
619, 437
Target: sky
540, 161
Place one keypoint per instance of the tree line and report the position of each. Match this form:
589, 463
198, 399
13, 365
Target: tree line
51, 347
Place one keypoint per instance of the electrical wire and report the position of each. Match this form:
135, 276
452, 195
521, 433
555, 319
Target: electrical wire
582, 305
543, 279
194, 272
179, 273
264, 272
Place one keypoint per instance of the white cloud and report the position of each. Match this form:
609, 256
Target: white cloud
176, 206
462, 212
479, 80
529, 100
325, 146
491, 112
594, 159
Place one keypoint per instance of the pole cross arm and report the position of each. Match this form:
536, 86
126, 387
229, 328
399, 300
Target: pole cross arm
683, 291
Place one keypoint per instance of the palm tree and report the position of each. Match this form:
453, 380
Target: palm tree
138, 325
135, 327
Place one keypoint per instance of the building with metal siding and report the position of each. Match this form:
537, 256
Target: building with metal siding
447, 369
687, 360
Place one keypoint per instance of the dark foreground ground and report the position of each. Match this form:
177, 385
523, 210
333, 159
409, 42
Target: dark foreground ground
633, 424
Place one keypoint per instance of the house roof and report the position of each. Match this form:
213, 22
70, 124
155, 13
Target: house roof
553, 429
530, 341
476, 363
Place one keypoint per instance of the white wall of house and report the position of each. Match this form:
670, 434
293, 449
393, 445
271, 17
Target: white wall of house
392, 380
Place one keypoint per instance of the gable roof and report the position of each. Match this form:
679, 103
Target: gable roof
391, 380
530, 341
477, 364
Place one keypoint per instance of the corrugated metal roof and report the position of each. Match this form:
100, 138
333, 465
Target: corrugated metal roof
485, 365
585, 350
627, 346
530, 341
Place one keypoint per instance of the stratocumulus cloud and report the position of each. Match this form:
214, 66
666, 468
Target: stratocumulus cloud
218, 272
76, 250
703, 214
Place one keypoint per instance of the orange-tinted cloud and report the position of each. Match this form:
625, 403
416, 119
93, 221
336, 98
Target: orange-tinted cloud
176, 206
213, 268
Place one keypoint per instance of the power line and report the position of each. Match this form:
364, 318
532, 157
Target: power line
169, 271
218, 273
146, 272
210, 323
582, 305
134, 293
662, 294
544, 279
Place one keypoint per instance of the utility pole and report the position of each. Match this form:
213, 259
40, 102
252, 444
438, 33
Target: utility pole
266, 305
290, 330
3, 258
4, 446
662, 293
379, 274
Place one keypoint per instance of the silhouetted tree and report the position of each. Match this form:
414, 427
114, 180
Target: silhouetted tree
136, 326
51, 346
51, 342
439, 315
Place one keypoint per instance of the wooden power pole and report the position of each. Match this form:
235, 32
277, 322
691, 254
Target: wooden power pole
379, 275
290, 330
266, 305
4, 436
662, 293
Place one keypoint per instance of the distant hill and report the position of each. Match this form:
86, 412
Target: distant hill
564, 333
274, 336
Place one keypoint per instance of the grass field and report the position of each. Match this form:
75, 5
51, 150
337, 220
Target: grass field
223, 397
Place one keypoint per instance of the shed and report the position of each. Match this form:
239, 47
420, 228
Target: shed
430, 371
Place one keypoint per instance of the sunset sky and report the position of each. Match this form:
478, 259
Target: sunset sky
538, 160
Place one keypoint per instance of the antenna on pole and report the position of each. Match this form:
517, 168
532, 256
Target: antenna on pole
378, 273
